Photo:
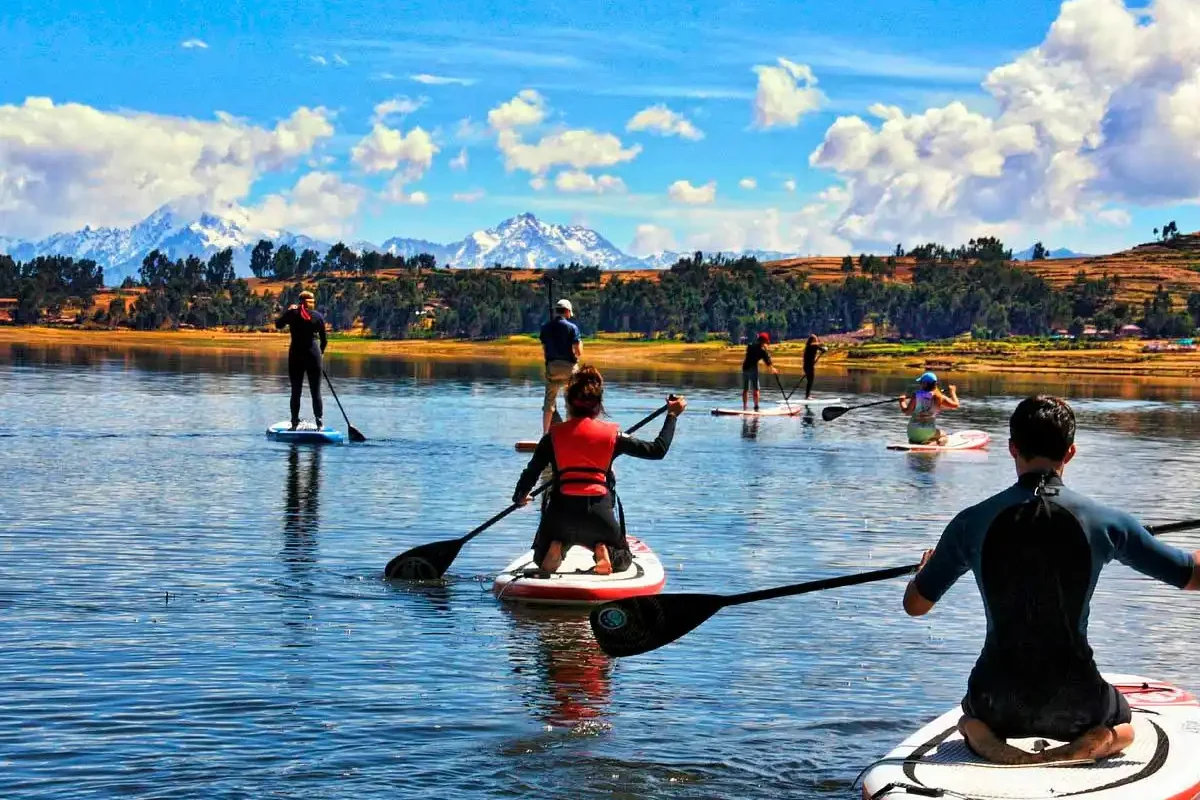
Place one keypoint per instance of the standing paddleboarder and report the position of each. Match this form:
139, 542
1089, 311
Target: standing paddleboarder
1036, 550
562, 347
756, 351
924, 406
813, 349
307, 327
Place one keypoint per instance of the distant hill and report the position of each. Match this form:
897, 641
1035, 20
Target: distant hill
1062, 252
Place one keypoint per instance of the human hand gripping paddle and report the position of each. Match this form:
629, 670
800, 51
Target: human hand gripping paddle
430, 561
830, 413
355, 434
638, 625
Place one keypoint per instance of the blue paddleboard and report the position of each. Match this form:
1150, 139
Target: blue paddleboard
306, 433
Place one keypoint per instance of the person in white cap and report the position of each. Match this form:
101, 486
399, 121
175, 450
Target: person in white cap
563, 348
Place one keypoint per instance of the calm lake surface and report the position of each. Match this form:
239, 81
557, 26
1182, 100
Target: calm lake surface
191, 610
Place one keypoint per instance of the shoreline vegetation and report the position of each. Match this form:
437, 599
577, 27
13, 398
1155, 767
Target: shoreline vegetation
953, 357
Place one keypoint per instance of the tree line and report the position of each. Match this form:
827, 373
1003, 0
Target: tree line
971, 288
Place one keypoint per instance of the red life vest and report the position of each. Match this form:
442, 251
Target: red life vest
583, 455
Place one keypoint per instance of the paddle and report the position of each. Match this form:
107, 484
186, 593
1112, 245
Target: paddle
830, 413
355, 434
640, 624
429, 561
783, 392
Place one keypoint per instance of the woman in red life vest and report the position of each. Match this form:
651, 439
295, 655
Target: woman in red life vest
580, 451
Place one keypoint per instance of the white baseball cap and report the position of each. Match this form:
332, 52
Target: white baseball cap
565, 304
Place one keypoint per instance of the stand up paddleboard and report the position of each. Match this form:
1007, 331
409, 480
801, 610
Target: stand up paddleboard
966, 440
306, 433
575, 584
1162, 764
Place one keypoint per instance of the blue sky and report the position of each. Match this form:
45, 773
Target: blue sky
593, 66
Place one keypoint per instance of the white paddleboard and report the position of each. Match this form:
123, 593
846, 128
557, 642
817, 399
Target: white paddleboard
965, 440
781, 410
306, 433
1162, 764
574, 583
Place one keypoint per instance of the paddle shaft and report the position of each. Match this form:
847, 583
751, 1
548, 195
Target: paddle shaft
892, 572
662, 410
783, 392
335, 397
868, 405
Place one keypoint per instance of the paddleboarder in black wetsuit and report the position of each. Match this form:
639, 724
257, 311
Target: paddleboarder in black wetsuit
756, 351
304, 356
581, 450
813, 349
1037, 550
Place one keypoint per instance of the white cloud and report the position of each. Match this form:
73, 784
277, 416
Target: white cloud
651, 239
320, 205
440, 80
64, 166
459, 162
580, 149
395, 192
748, 184
789, 186
194, 44
579, 181
473, 196
467, 131
665, 122
685, 192
785, 93
1114, 217
320, 61
1106, 109
527, 108
341, 62
397, 106
538, 184
384, 149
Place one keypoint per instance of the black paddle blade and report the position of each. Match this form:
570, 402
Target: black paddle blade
830, 413
424, 563
641, 624
356, 435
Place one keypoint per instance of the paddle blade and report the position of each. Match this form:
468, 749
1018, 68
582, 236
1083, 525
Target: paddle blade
830, 413
641, 624
424, 563
356, 435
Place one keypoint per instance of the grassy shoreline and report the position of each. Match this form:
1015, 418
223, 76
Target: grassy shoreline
1108, 358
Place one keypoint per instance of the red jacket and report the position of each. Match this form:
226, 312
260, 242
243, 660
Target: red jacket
583, 455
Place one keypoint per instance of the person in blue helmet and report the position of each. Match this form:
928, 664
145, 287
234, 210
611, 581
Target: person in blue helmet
924, 406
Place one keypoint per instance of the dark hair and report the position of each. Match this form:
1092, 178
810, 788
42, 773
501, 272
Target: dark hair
1042, 426
812, 339
585, 393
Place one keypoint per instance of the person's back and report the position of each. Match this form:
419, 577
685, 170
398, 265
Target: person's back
562, 348
558, 337
1036, 550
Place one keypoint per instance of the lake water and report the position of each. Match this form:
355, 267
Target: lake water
191, 610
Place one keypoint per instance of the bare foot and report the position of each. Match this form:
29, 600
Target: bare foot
554, 557
989, 747
603, 563
1099, 742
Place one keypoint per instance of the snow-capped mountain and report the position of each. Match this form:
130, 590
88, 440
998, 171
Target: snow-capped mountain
1062, 252
521, 241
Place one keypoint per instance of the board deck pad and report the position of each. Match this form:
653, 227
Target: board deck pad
964, 440
575, 584
1162, 764
307, 432
781, 410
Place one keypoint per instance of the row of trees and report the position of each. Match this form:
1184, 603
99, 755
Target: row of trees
953, 290
285, 264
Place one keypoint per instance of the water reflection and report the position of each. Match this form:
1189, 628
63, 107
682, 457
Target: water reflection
300, 511
571, 678
750, 427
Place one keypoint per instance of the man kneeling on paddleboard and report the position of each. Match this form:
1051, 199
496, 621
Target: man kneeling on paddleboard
583, 506
1037, 550
925, 405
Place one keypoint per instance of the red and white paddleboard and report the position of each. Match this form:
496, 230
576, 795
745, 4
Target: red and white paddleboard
797, 407
966, 440
1162, 764
575, 584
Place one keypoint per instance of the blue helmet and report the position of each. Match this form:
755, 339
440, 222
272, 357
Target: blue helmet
928, 378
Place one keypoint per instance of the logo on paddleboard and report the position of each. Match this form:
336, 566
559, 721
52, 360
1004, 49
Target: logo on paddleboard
612, 619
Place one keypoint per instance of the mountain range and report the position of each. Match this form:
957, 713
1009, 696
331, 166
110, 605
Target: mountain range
1062, 252
520, 241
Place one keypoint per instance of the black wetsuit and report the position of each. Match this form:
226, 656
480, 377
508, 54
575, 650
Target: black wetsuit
811, 351
1037, 549
587, 521
304, 357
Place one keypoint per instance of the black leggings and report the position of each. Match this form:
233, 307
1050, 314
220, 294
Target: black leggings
810, 374
301, 363
586, 521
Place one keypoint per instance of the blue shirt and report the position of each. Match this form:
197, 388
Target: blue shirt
558, 337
